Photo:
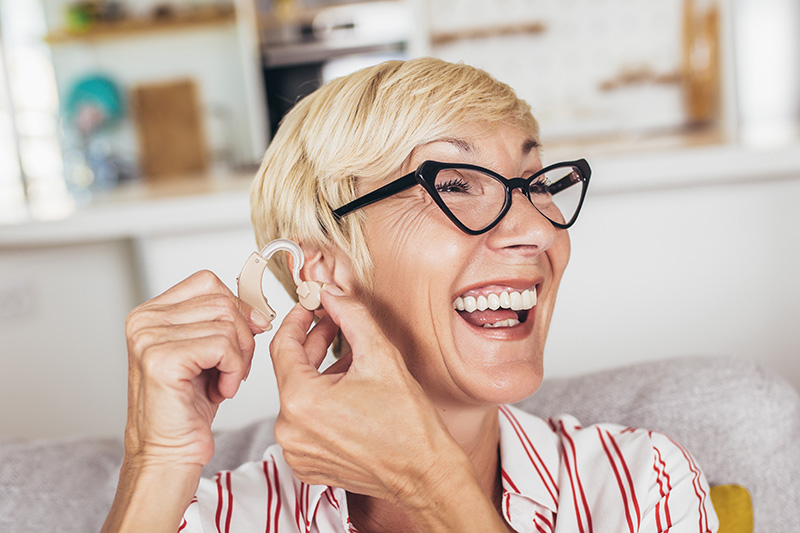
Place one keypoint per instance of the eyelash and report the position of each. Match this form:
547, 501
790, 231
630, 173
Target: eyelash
453, 183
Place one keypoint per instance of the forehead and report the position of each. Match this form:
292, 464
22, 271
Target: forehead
481, 145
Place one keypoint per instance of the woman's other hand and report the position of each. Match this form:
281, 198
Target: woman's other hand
368, 426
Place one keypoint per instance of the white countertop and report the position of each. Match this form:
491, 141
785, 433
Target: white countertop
217, 203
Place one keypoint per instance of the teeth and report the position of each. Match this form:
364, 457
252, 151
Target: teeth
470, 304
505, 301
528, 299
507, 323
516, 301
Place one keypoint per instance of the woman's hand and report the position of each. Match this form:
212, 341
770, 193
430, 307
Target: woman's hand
368, 428
188, 350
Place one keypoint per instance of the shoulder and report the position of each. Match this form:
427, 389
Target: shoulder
607, 470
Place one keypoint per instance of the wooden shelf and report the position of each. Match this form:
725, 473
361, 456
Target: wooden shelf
140, 26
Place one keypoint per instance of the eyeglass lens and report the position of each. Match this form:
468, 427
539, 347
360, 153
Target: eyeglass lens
476, 198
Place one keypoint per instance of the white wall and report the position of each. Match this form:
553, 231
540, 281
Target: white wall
709, 270
62, 343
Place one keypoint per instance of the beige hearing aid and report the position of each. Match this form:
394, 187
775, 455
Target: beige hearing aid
249, 280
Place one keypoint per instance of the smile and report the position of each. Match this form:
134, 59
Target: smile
503, 309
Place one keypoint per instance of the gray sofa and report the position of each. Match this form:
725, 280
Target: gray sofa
741, 422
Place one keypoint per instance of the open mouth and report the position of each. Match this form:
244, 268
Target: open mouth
496, 309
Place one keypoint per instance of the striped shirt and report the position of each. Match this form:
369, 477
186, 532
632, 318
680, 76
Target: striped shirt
557, 477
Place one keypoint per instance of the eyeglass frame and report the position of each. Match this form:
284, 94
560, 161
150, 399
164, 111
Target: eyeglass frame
420, 177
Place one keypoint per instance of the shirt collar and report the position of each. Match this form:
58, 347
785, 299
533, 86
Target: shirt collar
529, 457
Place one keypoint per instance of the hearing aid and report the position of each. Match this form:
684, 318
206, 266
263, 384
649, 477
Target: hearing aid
249, 280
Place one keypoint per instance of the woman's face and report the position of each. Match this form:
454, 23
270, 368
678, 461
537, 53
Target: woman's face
423, 263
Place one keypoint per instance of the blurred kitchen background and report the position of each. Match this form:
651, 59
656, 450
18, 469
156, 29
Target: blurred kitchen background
129, 133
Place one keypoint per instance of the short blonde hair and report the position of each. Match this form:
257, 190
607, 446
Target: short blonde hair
357, 130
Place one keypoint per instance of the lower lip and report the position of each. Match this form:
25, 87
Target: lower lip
514, 333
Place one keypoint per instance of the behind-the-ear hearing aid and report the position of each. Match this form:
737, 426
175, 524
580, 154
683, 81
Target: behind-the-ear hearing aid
249, 280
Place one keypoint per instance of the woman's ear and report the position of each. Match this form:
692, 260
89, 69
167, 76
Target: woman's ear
327, 265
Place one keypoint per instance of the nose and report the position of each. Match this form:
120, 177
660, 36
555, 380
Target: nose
523, 228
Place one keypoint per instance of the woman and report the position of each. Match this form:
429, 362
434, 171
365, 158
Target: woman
441, 277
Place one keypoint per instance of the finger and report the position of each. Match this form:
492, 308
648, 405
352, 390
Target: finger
358, 326
201, 282
287, 346
319, 339
204, 308
206, 283
172, 363
146, 337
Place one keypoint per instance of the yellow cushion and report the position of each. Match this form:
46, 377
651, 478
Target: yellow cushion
734, 508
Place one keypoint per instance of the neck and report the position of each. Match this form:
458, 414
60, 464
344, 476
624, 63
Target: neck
477, 431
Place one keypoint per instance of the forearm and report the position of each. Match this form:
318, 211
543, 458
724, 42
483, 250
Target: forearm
152, 498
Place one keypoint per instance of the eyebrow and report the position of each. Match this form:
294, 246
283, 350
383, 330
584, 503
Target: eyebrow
529, 145
462, 144
466, 146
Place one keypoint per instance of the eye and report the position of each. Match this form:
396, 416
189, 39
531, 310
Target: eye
540, 185
453, 185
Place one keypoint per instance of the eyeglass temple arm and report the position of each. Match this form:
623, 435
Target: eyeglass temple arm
572, 178
563, 183
400, 184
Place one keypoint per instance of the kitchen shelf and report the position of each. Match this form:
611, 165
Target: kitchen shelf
141, 26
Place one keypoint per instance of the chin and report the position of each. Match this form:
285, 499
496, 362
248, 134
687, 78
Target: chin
508, 382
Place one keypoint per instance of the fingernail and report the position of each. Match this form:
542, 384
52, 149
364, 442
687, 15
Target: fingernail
332, 289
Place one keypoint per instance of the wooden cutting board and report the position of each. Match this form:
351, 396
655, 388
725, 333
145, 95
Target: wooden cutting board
170, 129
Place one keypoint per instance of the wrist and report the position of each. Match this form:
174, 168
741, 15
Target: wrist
152, 496
452, 499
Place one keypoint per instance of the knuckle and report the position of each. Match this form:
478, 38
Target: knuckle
152, 361
205, 279
140, 339
221, 344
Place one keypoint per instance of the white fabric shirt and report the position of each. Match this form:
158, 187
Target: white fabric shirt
557, 477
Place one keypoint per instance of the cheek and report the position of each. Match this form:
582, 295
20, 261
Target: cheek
559, 254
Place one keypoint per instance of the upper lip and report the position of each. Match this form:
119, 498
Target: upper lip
515, 284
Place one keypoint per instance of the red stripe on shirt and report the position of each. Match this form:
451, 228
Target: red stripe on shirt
698, 488
265, 466
218, 478
516, 423
627, 476
572, 486
306, 510
619, 480
329, 495
661, 493
298, 500
522, 438
278, 503
183, 525
508, 480
578, 478
665, 474
544, 519
230, 502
